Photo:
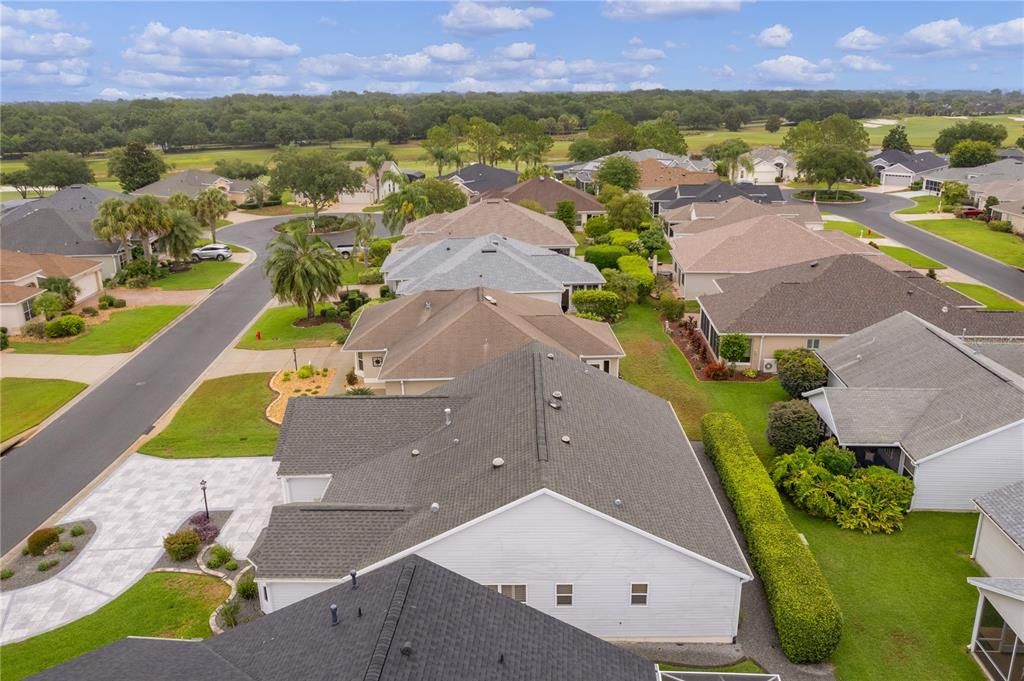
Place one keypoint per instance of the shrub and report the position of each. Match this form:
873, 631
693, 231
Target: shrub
916, 185
887, 485
835, 459
597, 226
4, 340
77, 531
342, 336
603, 304
183, 544
379, 249
60, 529
231, 565
717, 370
566, 212
605, 256
90, 311
800, 370
734, 347
48, 304
104, 305
625, 286
351, 378
636, 266
246, 587
827, 196
219, 555
672, 308
653, 240
35, 329
229, 614
45, 565
353, 301
620, 237
750, 373
107, 299
305, 371
806, 614
6, 573
360, 390
1000, 226
791, 424
119, 303
70, 325
66, 546
371, 275
589, 315
386, 292
41, 539
138, 281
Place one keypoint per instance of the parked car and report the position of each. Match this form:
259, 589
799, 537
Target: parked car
345, 251
211, 252
969, 212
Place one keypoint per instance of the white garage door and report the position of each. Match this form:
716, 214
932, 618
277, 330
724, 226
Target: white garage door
896, 179
358, 197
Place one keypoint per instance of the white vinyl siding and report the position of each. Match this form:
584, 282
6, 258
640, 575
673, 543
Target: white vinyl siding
281, 594
303, 488
996, 553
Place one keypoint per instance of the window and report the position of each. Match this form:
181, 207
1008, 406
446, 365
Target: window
637, 594
813, 343
516, 592
266, 598
359, 361
563, 595
378, 361
26, 310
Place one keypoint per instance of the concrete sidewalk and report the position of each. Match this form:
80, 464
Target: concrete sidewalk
236, 361
82, 368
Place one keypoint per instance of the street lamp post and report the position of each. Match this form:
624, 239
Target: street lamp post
295, 359
202, 486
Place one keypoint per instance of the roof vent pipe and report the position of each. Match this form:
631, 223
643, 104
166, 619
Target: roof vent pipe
334, 615
406, 648
498, 462
447, 416
435, 507
353, 576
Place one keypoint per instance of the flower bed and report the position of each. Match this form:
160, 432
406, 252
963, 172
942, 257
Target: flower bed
695, 349
288, 384
25, 570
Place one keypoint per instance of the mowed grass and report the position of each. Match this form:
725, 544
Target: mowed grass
854, 229
25, 402
911, 257
123, 332
161, 604
907, 607
746, 666
974, 234
278, 332
922, 204
223, 417
654, 363
235, 248
202, 275
989, 297
351, 269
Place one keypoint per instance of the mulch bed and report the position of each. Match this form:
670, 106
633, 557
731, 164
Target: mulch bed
25, 570
217, 518
691, 344
248, 610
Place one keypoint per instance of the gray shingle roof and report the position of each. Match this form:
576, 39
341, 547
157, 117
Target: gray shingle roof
1011, 169
1005, 506
502, 411
456, 629
191, 182
1011, 586
480, 178
60, 223
903, 352
685, 194
491, 260
919, 163
1010, 355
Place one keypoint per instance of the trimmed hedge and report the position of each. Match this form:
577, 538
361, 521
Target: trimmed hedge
605, 256
636, 267
603, 304
806, 614
621, 237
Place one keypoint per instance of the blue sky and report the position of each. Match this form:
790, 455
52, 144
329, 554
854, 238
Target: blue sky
87, 50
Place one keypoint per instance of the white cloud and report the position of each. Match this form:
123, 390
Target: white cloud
636, 40
19, 43
857, 62
643, 53
645, 85
777, 36
42, 18
73, 72
114, 93
326, 21
11, 65
315, 87
724, 72
448, 52
400, 88
473, 18
207, 43
516, 50
792, 70
594, 87
656, 10
860, 39
951, 37
672, 45
345, 65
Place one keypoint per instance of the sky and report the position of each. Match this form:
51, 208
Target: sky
93, 50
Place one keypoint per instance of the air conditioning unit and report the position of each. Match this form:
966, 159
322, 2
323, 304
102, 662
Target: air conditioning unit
769, 366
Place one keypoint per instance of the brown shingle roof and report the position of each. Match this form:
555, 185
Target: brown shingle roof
713, 215
15, 265
54, 265
443, 334
485, 217
656, 175
548, 192
9, 293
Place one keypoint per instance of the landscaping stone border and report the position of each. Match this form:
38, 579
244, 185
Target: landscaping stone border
217, 517
24, 566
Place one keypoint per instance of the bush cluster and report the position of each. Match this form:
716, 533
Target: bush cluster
597, 226
371, 275
824, 483
34, 329
182, 545
672, 308
717, 370
636, 267
622, 237
800, 370
806, 614
63, 327
792, 424
204, 527
1003, 226
605, 256
41, 539
138, 273
602, 304
219, 556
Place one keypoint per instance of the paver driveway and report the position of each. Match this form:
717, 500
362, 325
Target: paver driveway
142, 501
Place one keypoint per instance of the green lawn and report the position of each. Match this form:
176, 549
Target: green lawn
25, 402
821, 186
123, 332
854, 229
350, 270
975, 235
202, 275
741, 667
223, 417
276, 328
581, 243
161, 604
990, 298
654, 363
922, 204
907, 605
911, 257
235, 248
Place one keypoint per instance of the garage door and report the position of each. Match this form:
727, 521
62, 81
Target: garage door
358, 197
896, 179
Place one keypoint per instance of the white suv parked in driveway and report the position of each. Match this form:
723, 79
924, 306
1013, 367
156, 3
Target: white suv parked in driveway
211, 252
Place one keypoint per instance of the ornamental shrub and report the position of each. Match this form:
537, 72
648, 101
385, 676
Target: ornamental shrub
351, 378
218, 556
47, 564
305, 371
90, 311
620, 237
231, 565
35, 329
107, 299
379, 249
597, 226
603, 304
636, 266
67, 546
886, 484
246, 587
672, 308
791, 424
716, 370
62, 327
371, 275
625, 286
835, 459
800, 370
119, 303
4, 340
77, 531
589, 315
1003, 226
6, 573
41, 539
182, 545
806, 614
566, 212
605, 256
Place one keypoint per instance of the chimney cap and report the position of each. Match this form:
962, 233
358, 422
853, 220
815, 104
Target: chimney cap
498, 462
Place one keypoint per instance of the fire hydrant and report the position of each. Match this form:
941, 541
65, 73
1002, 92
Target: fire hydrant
259, 335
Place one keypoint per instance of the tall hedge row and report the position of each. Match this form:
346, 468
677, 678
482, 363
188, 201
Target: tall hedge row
605, 255
806, 614
637, 267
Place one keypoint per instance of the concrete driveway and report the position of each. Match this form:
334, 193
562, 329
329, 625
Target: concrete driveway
145, 499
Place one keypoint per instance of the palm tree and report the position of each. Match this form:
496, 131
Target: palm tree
439, 155
364, 227
64, 287
407, 204
111, 223
181, 201
147, 220
375, 160
211, 206
181, 236
303, 269
730, 165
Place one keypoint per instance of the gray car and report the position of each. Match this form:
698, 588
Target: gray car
211, 252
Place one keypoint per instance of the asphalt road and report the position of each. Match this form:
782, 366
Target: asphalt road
39, 477
874, 213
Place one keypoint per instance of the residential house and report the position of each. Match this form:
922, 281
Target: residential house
549, 192
1012, 212
770, 165
712, 192
21, 275
583, 173
62, 224
1005, 191
998, 637
897, 168
814, 304
490, 216
419, 342
656, 175
193, 182
702, 217
752, 245
1010, 152
534, 473
906, 394
492, 261
1003, 170
374, 189
480, 178
412, 619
